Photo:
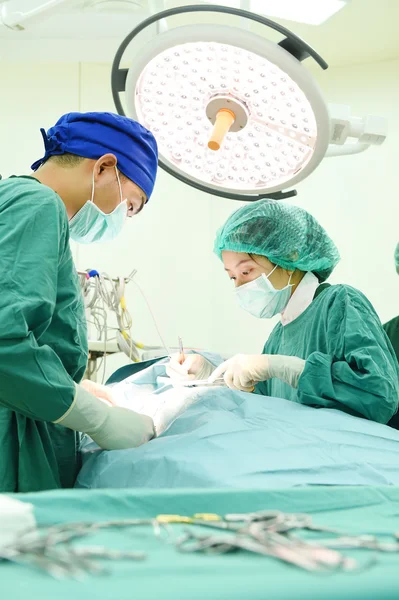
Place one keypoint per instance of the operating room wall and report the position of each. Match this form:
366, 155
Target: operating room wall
170, 243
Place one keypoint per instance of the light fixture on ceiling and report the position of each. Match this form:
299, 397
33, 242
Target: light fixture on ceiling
16, 13
311, 12
234, 114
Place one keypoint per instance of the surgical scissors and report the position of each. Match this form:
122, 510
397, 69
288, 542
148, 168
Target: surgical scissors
366, 542
305, 556
265, 533
280, 522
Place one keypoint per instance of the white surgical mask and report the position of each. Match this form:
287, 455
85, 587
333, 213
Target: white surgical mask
90, 224
261, 299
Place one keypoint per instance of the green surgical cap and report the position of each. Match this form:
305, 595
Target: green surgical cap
287, 235
397, 258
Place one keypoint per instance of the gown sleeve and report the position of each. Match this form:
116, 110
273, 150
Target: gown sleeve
358, 370
392, 330
33, 240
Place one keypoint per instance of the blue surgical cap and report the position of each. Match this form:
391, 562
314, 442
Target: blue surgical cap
93, 134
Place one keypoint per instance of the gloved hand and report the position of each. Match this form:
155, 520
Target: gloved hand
243, 372
100, 391
111, 427
194, 366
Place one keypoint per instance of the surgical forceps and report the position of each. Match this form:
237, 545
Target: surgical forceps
300, 554
264, 533
181, 349
203, 382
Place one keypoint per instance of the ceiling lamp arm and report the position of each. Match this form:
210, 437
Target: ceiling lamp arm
13, 19
353, 135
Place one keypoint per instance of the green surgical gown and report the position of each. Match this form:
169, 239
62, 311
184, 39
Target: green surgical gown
392, 331
43, 340
350, 364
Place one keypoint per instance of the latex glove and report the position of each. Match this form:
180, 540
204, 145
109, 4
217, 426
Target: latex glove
243, 372
111, 427
193, 366
287, 368
100, 391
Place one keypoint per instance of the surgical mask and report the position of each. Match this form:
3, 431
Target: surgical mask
90, 224
261, 299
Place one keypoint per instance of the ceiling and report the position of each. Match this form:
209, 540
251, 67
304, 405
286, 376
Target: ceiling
91, 30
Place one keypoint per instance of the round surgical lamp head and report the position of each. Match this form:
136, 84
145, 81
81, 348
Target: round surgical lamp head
234, 114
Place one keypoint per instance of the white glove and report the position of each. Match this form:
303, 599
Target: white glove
111, 427
243, 372
194, 366
287, 368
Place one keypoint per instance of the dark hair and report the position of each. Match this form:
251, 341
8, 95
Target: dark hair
66, 160
252, 256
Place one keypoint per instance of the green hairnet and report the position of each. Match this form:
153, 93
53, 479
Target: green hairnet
287, 235
397, 258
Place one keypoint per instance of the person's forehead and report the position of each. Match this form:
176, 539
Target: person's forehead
235, 259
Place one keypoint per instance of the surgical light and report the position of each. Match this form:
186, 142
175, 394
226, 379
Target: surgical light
234, 114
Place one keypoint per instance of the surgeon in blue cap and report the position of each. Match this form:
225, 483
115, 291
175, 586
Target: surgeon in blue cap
97, 170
